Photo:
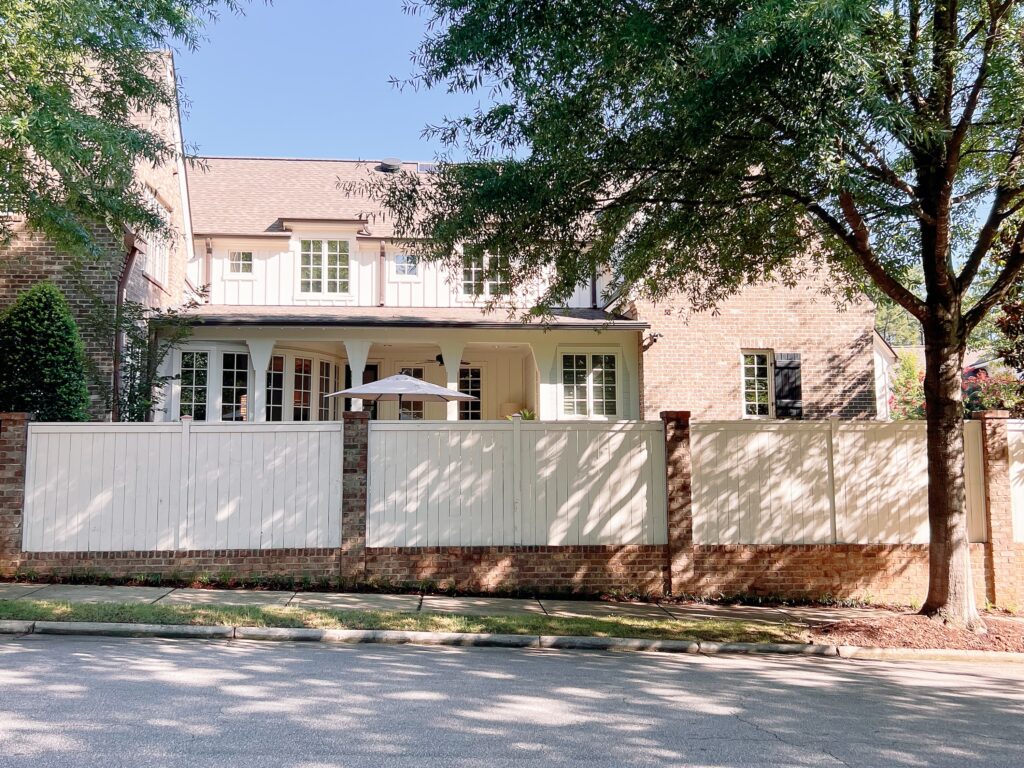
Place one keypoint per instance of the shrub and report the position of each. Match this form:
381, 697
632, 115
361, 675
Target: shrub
42, 362
908, 390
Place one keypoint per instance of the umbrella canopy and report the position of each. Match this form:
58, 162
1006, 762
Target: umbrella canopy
402, 388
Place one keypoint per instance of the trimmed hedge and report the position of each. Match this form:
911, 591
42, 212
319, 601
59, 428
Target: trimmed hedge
42, 360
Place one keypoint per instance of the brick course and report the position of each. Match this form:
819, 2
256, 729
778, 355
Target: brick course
695, 361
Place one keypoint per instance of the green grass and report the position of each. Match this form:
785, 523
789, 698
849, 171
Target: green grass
719, 630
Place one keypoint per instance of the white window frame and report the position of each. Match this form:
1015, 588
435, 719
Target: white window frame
402, 260
487, 284
418, 408
770, 356
179, 362
231, 274
483, 390
620, 383
156, 263
323, 267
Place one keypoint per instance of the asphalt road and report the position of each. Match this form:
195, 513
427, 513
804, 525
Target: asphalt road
109, 702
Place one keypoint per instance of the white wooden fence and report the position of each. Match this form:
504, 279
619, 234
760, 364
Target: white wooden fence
1015, 437
178, 486
524, 483
820, 482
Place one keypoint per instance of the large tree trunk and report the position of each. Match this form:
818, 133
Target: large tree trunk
950, 588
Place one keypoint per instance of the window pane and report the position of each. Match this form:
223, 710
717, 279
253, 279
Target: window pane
603, 377
472, 271
275, 389
303, 389
193, 385
311, 263
411, 409
324, 409
337, 266
470, 384
497, 269
574, 385
234, 392
241, 262
756, 383
406, 264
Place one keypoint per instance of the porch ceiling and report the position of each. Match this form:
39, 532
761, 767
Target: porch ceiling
413, 317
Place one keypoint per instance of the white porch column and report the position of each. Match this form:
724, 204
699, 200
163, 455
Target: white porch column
451, 353
357, 351
544, 351
260, 351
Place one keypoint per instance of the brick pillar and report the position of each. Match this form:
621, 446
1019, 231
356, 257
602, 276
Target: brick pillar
13, 445
1000, 551
354, 454
679, 475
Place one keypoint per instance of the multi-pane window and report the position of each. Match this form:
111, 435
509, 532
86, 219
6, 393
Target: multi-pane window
483, 275
275, 388
470, 384
325, 404
157, 257
589, 385
303, 389
194, 369
411, 410
757, 384
240, 262
323, 266
234, 390
406, 265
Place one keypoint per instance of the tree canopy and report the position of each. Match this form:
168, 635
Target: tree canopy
77, 74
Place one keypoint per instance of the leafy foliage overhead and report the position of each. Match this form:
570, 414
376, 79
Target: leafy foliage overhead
702, 145
77, 76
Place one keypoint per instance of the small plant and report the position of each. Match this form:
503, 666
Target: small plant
524, 413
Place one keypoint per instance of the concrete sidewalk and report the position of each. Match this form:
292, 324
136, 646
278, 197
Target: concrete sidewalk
471, 606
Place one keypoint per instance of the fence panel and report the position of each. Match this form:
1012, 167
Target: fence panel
1015, 435
180, 486
505, 483
825, 482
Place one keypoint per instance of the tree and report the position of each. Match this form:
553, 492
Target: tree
908, 390
42, 362
699, 146
77, 74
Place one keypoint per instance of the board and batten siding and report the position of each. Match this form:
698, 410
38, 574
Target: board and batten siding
515, 483
782, 482
182, 486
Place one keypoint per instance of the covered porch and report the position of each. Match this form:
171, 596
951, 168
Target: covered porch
284, 373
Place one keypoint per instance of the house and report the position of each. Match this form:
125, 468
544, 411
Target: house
308, 293
135, 267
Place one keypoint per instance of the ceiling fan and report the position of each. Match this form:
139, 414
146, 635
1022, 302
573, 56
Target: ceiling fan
439, 359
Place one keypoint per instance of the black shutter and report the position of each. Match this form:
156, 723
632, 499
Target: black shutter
789, 402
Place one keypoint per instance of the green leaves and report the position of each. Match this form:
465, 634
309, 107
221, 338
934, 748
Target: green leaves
41, 357
84, 85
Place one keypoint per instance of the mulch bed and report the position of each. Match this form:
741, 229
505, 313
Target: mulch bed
913, 631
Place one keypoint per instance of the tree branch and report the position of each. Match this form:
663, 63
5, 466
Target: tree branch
997, 292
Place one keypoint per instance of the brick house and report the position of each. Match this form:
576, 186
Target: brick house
133, 267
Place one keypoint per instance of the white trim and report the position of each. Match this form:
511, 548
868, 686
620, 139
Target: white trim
295, 247
620, 381
770, 353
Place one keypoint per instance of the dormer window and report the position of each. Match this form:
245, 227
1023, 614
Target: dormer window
324, 266
407, 265
483, 275
241, 262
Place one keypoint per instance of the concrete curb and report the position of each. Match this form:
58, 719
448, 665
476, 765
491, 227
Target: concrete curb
465, 639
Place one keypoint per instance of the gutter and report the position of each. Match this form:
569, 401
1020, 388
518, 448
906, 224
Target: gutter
370, 322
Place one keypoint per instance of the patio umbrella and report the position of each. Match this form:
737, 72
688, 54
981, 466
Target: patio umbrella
401, 388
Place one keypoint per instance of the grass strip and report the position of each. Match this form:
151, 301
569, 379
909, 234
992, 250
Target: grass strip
717, 630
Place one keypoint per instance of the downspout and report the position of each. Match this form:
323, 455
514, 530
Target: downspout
381, 274
593, 288
131, 254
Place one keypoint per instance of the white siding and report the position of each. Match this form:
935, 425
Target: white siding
489, 484
115, 487
760, 482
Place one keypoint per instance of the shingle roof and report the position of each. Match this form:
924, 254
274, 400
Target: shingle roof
434, 317
253, 195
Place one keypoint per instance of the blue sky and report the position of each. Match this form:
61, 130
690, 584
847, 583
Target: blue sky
309, 78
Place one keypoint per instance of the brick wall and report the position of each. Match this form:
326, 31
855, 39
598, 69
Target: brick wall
695, 363
91, 284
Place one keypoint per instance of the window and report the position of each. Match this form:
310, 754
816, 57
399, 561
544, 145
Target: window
483, 275
328, 376
303, 392
275, 388
324, 266
407, 265
757, 384
411, 410
234, 391
194, 369
240, 262
156, 259
469, 384
589, 385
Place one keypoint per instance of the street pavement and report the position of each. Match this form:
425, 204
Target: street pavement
77, 701
470, 606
